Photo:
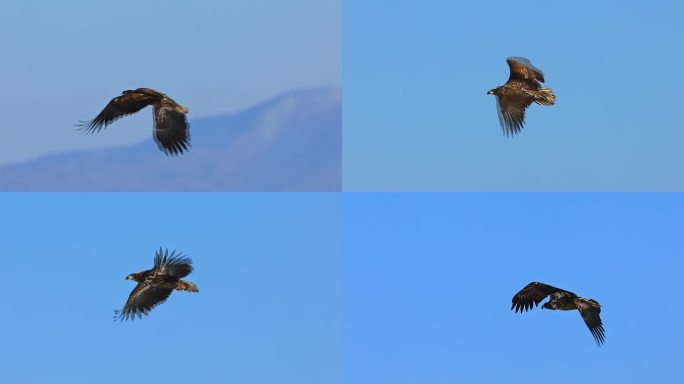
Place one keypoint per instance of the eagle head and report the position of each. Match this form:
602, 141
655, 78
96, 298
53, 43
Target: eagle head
140, 276
491, 91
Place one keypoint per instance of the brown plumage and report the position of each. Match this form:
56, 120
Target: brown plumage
155, 285
171, 132
522, 89
563, 300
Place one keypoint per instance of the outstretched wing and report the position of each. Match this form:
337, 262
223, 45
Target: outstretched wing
590, 310
144, 297
128, 103
530, 296
173, 264
511, 110
522, 69
171, 129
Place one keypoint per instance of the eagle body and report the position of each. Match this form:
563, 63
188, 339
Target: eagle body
158, 98
522, 89
526, 92
162, 281
155, 285
568, 301
534, 293
171, 129
561, 303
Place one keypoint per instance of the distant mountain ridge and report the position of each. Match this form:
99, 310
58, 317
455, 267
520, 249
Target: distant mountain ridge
292, 142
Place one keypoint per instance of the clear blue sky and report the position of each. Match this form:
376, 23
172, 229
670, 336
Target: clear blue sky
63, 61
267, 268
428, 282
417, 117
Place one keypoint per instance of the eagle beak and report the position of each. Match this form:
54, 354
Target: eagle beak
490, 92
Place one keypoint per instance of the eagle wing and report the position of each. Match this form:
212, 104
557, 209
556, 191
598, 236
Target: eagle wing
142, 299
171, 129
522, 69
533, 294
590, 310
174, 265
128, 103
511, 110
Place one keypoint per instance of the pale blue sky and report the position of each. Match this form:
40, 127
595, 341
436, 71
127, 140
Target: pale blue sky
325, 288
417, 117
63, 61
429, 280
266, 265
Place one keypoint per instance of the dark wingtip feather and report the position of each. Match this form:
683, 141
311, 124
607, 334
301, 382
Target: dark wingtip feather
123, 315
599, 334
162, 257
90, 127
175, 149
118, 315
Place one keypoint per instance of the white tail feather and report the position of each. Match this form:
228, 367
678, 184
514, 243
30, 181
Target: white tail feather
545, 96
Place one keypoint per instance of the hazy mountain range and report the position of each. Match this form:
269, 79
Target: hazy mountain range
292, 142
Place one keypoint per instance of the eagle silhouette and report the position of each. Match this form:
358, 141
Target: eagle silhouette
563, 300
522, 88
155, 285
171, 132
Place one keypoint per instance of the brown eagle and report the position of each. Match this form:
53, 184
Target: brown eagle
155, 285
171, 131
535, 292
522, 88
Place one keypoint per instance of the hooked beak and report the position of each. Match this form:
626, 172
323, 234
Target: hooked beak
490, 92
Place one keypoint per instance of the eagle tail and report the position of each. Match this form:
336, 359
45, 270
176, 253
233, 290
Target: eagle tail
545, 96
186, 286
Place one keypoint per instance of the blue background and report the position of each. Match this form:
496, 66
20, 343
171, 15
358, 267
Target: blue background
64, 61
429, 280
266, 265
417, 117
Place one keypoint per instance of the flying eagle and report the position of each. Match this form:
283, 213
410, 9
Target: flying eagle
170, 124
522, 88
535, 292
155, 285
